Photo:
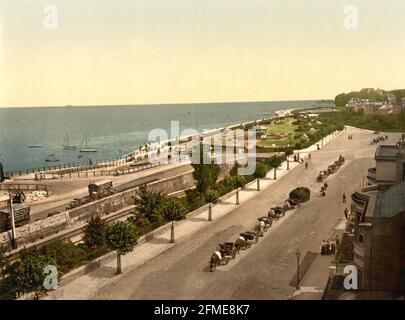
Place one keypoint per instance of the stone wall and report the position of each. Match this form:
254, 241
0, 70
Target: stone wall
51, 225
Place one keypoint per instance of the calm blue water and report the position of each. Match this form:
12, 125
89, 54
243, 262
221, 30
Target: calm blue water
110, 129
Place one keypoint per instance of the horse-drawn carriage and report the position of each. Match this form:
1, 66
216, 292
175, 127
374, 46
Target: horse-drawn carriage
267, 222
225, 252
290, 204
276, 213
332, 169
321, 176
250, 237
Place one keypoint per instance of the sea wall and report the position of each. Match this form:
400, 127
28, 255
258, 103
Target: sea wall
43, 228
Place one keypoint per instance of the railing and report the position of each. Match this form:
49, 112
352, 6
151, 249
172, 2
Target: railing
72, 166
99, 173
28, 187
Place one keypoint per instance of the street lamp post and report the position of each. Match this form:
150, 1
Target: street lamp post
13, 232
258, 184
288, 163
172, 239
210, 212
298, 254
237, 196
275, 173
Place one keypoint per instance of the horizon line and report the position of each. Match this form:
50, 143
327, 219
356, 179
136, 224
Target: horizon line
161, 104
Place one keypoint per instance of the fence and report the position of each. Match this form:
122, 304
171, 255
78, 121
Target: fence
73, 167
99, 173
28, 187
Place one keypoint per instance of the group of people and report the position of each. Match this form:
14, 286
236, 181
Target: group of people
329, 247
350, 137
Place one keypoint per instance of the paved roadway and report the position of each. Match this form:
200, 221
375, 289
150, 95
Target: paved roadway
265, 270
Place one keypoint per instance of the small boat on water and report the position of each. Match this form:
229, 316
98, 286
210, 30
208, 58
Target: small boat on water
86, 148
66, 145
35, 146
51, 158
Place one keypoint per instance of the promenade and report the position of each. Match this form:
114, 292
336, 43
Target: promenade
160, 270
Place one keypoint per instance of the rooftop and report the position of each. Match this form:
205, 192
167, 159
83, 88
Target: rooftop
387, 152
390, 202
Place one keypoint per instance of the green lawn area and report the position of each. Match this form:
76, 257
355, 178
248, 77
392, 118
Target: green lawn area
280, 133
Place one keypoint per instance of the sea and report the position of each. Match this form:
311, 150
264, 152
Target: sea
113, 130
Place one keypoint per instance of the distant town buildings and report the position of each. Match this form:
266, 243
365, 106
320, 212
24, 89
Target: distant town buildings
390, 106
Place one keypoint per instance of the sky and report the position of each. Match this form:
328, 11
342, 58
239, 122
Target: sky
105, 52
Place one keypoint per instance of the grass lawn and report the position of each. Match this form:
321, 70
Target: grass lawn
280, 133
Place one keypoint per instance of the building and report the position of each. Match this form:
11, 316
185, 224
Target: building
376, 107
379, 223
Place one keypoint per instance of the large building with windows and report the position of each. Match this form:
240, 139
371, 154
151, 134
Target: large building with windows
379, 223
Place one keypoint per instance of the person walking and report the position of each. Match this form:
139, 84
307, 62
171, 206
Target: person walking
309, 156
337, 241
306, 165
346, 213
344, 197
323, 247
332, 246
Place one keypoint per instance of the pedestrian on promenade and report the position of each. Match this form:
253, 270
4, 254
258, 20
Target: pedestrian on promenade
306, 165
325, 185
337, 241
346, 213
332, 246
309, 156
344, 197
327, 247
323, 247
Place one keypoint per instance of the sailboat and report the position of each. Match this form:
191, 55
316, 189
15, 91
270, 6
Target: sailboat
86, 148
66, 145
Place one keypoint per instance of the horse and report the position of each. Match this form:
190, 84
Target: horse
272, 214
260, 228
215, 260
240, 244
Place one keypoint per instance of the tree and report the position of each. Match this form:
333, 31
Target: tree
148, 203
29, 273
211, 195
173, 208
65, 253
4, 264
261, 170
205, 172
122, 238
301, 194
94, 232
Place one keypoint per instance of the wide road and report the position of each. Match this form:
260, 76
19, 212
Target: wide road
265, 270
